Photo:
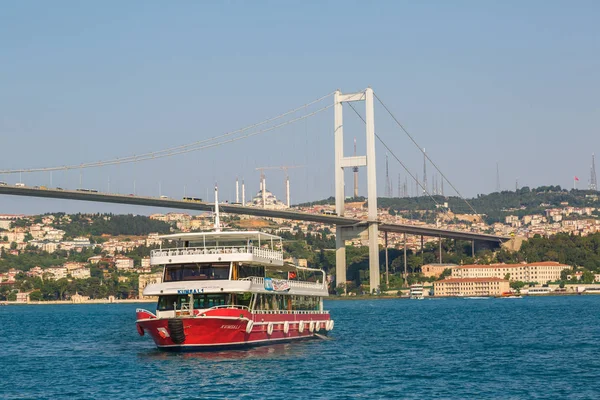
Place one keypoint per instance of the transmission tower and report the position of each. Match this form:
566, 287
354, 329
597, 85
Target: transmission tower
417, 187
399, 186
388, 183
593, 182
497, 177
424, 173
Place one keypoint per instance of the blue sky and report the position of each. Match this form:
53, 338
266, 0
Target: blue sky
475, 82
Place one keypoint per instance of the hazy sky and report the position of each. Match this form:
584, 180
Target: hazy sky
476, 82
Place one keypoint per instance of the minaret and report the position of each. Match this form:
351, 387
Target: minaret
355, 169
243, 193
287, 190
264, 189
237, 190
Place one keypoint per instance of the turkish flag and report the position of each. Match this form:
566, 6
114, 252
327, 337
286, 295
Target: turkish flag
291, 274
576, 178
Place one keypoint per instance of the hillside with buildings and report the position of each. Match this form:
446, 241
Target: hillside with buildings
58, 256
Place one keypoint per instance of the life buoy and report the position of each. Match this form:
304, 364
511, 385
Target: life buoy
140, 329
249, 326
301, 327
286, 327
270, 329
311, 326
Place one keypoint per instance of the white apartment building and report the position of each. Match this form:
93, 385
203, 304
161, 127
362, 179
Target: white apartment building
540, 272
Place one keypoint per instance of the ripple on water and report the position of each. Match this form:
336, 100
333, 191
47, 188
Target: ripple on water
451, 349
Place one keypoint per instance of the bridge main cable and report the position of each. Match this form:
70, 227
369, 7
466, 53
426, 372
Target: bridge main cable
187, 148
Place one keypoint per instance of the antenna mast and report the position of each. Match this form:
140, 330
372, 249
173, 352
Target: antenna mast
497, 177
593, 182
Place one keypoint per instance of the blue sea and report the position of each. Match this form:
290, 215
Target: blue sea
530, 348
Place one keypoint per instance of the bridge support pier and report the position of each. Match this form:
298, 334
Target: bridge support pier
473, 248
340, 258
405, 264
387, 271
354, 162
374, 276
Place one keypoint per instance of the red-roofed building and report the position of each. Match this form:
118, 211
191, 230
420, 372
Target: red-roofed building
540, 272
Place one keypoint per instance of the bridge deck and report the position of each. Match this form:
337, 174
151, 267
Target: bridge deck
237, 209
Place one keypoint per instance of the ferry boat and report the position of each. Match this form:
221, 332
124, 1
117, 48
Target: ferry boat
226, 289
416, 291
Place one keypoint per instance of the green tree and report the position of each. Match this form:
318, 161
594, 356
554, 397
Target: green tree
36, 295
587, 277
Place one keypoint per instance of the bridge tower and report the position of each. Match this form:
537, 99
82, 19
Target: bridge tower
368, 161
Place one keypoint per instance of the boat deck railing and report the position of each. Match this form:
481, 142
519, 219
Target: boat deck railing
257, 280
217, 250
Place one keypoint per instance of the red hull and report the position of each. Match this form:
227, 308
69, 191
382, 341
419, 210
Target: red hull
230, 328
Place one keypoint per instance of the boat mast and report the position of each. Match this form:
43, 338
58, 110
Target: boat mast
217, 221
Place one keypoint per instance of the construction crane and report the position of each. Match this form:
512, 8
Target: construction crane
263, 183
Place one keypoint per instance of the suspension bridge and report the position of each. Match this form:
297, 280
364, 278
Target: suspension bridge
346, 227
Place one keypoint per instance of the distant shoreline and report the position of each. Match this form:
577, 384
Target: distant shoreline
330, 298
99, 301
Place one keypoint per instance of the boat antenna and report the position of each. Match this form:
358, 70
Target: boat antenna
217, 221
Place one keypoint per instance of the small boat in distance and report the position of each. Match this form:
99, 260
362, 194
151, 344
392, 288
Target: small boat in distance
510, 295
477, 297
416, 291
231, 289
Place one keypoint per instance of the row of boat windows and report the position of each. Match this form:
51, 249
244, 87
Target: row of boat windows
279, 302
209, 271
196, 272
264, 302
200, 301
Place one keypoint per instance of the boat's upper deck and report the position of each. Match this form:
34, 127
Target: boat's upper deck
239, 246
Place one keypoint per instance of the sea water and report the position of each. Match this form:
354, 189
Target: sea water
539, 348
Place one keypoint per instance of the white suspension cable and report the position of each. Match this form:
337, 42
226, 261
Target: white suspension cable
397, 159
195, 146
425, 154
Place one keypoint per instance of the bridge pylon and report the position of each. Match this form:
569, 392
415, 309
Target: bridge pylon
368, 161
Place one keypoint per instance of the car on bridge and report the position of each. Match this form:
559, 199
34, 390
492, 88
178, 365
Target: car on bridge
19, 184
192, 199
87, 190
3, 184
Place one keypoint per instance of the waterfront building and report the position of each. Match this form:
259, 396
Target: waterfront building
23, 297
460, 287
541, 272
436, 270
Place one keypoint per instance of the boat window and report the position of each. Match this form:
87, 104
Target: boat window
196, 272
211, 300
246, 271
166, 303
